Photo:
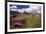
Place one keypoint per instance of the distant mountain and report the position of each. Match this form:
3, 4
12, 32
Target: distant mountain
14, 13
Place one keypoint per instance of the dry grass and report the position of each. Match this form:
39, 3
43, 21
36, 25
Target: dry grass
32, 21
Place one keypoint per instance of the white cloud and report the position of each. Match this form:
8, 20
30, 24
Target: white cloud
29, 10
13, 7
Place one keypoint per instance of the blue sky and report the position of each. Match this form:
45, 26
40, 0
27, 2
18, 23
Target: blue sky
22, 8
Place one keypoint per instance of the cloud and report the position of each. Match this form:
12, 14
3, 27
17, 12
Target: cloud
29, 9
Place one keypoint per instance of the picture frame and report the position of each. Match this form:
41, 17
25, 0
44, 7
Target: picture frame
8, 3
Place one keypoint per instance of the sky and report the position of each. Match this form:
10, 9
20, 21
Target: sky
27, 8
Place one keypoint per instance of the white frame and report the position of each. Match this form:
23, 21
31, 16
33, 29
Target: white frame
26, 29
